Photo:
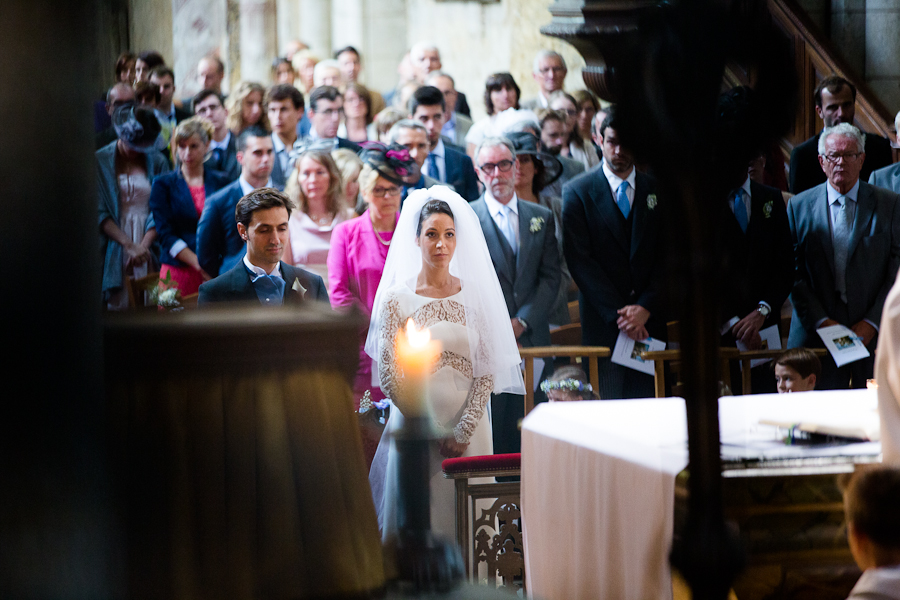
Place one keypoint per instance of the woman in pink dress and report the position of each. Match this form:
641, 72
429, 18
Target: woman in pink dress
316, 187
360, 246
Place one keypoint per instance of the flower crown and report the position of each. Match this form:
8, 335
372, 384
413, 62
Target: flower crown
566, 385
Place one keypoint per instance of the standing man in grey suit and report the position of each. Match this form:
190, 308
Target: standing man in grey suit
889, 177
846, 236
613, 231
522, 243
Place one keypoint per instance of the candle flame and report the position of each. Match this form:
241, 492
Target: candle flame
416, 337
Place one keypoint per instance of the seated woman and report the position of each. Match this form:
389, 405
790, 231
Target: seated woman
316, 188
177, 201
440, 275
501, 92
357, 113
576, 147
568, 383
126, 169
797, 370
350, 166
304, 63
245, 108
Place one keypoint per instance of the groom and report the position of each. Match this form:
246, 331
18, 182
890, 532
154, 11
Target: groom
260, 277
520, 238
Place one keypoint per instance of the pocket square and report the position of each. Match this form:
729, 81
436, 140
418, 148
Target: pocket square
297, 287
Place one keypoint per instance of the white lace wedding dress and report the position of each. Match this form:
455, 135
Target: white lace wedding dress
458, 401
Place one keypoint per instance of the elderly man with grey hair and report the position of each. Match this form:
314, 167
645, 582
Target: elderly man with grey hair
846, 236
549, 71
426, 60
521, 240
414, 136
889, 177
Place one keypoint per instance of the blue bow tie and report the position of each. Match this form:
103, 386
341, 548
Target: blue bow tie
269, 289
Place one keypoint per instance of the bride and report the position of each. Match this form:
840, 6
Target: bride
439, 273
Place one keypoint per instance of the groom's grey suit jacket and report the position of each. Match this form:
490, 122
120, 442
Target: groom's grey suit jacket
530, 279
887, 178
872, 261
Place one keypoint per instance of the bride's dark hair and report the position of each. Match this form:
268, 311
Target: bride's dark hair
433, 207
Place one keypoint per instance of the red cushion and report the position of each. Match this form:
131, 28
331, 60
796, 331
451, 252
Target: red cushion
488, 462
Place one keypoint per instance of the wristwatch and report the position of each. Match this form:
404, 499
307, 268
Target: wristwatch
522, 323
763, 310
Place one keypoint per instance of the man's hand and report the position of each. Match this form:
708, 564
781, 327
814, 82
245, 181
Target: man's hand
450, 448
828, 323
865, 331
518, 329
747, 330
632, 320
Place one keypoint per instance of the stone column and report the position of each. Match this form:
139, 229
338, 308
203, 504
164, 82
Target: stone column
288, 22
198, 29
258, 40
315, 26
883, 51
386, 37
848, 31
57, 529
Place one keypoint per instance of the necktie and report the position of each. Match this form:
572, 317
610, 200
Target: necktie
433, 168
622, 199
841, 243
508, 231
740, 209
217, 156
269, 290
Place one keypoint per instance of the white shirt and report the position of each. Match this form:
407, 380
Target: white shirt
247, 188
746, 197
438, 154
495, 207
223, 145
615, 181
449, 128
258, 272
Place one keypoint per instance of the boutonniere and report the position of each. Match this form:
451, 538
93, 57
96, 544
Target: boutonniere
536, 224
767, 209
297, 287
651, 201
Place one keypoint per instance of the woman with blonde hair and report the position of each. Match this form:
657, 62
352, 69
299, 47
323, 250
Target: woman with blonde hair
350, 166
316, 187
245, 108
304, 63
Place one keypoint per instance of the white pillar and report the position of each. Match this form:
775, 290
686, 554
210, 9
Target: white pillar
883, 51
198, 29
258, 39
288, 22
315, 26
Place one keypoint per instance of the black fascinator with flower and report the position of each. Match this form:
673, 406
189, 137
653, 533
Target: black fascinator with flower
393, 162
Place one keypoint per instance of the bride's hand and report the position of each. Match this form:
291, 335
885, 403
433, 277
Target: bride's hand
450, 448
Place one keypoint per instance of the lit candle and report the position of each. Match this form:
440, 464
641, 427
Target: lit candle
416, 355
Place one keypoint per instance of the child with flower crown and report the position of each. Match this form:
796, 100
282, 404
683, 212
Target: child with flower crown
568, 383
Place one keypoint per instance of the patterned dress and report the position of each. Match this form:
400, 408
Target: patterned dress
457, 400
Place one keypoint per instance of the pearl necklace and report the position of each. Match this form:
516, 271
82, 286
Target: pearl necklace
378, 235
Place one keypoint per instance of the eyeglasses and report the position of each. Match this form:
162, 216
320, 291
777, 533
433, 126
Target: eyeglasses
332, 112
836, 158
547, 70
568, 111
380, 192
503, 165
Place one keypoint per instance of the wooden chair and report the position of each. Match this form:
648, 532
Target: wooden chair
592, 353
566, 335
138, 287
190, 302
574, 312
490, 537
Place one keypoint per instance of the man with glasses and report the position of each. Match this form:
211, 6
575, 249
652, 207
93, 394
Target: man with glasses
613, 227
835, 103
326, 107
521, 239
222, 149
846, 236
549, 71
118, 95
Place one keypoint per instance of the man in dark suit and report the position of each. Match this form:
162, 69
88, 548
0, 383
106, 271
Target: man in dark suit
835, 103
326, 105
444, 163
613, 226
284, 107
888, 177
522, 242
262, 223
223, 150
219, 247
846, 236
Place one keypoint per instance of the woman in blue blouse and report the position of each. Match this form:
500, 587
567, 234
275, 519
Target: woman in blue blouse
176, 201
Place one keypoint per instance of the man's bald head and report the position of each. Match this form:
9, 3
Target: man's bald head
119, 94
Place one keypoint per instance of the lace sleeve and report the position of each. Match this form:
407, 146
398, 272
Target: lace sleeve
388, 370
477, 401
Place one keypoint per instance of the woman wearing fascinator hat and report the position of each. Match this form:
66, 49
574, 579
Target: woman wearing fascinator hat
359, 247
126, 169
439, 274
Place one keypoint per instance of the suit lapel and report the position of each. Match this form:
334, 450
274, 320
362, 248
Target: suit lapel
290, 275
241, 285
865, 208
606, 205
641, 213
499, 250
526, 248
822, 225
